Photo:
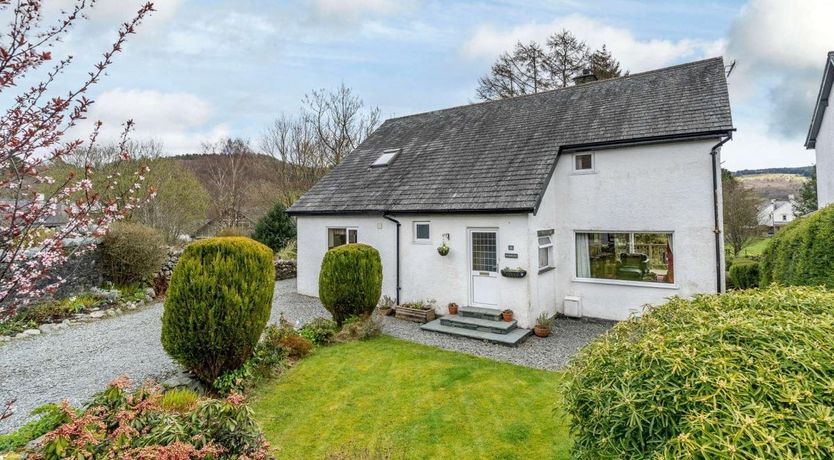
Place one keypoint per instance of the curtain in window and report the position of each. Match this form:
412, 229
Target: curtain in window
670, 263
583, 256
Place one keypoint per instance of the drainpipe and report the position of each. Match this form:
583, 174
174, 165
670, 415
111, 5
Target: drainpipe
715, 191
387, 217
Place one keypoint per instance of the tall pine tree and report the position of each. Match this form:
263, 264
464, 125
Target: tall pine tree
604, 66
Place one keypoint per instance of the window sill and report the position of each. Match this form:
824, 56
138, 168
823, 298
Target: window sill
421, 241
546, 269
583, 172
627, 283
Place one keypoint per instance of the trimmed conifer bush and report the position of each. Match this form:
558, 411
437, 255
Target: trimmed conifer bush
350, 281
131, 253
740, 375
744, 274
275, 229
218, 303
802, 253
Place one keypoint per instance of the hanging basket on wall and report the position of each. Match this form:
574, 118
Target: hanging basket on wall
443, 250
513, 272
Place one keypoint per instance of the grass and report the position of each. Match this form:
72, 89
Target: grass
755, 248
390, 396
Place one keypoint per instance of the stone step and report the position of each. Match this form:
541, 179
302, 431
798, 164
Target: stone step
493, 314
478, 324
512, 338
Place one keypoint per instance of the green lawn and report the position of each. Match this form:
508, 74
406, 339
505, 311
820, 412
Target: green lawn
755, 248
413, 401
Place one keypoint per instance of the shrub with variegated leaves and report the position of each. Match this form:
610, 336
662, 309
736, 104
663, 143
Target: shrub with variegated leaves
748, 374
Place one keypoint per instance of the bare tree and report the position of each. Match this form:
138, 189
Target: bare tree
741, 212
524, 71
568, 56
228, 180
330, 125
338, 122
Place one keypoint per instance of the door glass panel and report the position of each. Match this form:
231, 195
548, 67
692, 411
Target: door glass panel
484, 257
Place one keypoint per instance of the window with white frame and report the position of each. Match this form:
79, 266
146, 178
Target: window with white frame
545, 249
627, 256
422, 232
337, 236
583, 162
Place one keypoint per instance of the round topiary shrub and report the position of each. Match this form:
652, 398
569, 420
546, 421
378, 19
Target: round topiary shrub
744, 274
275, 229
218, 303
802, 253
131, 253
740, 375
350, 281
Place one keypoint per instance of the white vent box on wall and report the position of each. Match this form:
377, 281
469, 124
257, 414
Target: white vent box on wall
573, 306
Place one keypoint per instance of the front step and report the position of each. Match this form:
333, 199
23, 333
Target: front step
511, 338
478, 324
492, 314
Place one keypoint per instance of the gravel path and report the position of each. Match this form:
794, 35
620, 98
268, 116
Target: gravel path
77, 362
552, 353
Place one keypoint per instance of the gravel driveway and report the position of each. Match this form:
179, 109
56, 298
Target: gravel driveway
77, 362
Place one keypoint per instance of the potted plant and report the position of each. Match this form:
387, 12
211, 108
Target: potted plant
543, 325
453, 308
386, 306
507, 315
419, 312
443, 249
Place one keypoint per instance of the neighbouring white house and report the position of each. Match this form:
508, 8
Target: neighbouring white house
821, 136
606, 193
775, 214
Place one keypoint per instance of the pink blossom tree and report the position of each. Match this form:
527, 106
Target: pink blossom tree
34, 133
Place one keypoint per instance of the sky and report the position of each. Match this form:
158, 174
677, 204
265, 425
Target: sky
200, 70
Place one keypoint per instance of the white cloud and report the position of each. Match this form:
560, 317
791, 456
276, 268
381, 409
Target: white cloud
221, 33
634, 54
780, 48
754, 146
181, 121
353, 11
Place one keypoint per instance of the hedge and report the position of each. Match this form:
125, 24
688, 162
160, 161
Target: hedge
740, 375
802, 253
744, 274
350, 281
219, 301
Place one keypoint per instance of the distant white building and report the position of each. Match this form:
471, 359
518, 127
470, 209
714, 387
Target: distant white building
777, 213
821, 136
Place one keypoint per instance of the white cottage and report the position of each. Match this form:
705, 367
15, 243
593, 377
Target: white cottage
821, 136
606, 195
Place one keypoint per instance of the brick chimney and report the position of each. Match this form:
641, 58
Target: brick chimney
586, 76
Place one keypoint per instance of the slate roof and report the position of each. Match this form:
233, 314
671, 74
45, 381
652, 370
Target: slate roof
822, 101
498, 156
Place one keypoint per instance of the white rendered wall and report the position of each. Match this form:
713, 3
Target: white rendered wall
424, 274
658, 188
825, 159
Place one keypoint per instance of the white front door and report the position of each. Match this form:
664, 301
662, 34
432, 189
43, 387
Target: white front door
483, 264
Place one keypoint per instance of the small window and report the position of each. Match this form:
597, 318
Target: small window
545, 252
386, 158
583, 162
340, 236
422, 232
784, 217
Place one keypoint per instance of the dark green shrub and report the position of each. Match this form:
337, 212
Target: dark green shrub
802, 253
744, 274
319, 330
275, 229
218, 303
131, 253
740, 375
350, 281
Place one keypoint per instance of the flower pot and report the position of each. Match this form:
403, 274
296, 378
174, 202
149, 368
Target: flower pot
541, 331
507, 315
453, 309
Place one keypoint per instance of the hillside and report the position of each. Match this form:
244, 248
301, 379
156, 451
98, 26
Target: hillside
775, 183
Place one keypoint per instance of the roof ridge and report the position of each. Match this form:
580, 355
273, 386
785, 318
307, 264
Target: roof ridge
584, 85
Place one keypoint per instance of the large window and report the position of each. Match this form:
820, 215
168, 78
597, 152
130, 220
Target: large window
624, 256
340, 236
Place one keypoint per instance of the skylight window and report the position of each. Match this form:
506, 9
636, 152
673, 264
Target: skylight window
386, 158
